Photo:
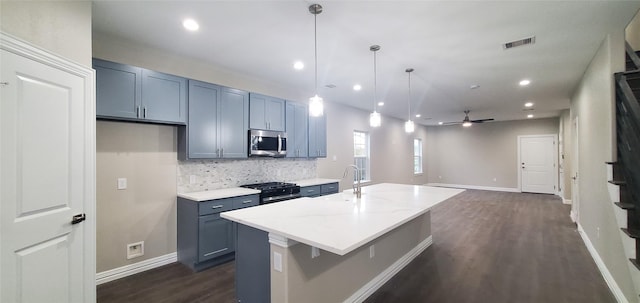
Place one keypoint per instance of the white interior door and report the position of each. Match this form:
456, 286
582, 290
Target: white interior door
575, 189
47, 175
538, 158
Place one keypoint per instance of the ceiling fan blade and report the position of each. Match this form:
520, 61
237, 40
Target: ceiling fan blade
451, 123
481, 120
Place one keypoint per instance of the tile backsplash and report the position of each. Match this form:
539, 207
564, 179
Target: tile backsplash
217, 174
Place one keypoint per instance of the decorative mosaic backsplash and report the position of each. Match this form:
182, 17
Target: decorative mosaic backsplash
217, 174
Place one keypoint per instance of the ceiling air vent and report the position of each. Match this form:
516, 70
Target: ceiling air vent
521, 42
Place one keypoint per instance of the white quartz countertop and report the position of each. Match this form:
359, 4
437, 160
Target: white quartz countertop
218, 194
312, 182
340, 223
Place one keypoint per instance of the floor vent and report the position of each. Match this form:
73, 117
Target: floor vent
521, 42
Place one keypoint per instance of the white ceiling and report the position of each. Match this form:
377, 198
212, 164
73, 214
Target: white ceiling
451, 45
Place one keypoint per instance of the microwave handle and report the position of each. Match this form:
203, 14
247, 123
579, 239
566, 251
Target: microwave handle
279, 144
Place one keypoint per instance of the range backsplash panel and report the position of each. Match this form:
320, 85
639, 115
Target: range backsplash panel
218, 174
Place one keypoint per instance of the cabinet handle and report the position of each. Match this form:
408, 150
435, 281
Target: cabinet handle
247, 201
217, 206
222, 153
137, 111
144, 112
217, 152
311, 190
214, 252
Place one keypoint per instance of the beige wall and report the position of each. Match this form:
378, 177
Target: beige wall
478, 154
322, 279
391, 148
632, 32
593, 105
61, 27
145, 154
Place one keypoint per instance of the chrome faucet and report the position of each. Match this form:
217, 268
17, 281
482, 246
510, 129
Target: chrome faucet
356, 187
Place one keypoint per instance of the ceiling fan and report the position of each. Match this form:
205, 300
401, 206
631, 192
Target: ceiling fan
466, 122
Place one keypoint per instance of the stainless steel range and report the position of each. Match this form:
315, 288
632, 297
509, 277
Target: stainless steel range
271, 192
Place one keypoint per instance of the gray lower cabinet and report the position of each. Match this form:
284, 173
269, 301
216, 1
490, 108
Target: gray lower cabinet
218, 123
318, 137
266, 112
253, 272
204, 238
319, 190
125, 92
297, 118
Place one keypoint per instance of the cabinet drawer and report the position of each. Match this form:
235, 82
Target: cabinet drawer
215, 206
246, 201
330, 188
310, 191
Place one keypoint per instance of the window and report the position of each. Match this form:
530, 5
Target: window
417, 156
361, 155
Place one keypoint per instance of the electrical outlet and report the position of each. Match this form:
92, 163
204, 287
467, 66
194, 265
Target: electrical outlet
439, 177
372, 251
192, 179
122, 183
598, 232
315, 252
495, 179
135, 250
277, 261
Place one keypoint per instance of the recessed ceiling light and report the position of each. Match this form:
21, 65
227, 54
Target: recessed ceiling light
528, 104
474, 86
298, 65
418, 116
357, 87
190, 24
525, 82
440, 123
530, 116
380, 103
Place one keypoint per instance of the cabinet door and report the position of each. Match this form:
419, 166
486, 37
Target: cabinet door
233, 123
318, 137
215, 237
164, 97
118, 89
203, 120
257, 108
274, 112
296, 128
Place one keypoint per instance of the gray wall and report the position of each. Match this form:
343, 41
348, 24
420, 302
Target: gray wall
61, 27
593, 105
391, 148
478, 154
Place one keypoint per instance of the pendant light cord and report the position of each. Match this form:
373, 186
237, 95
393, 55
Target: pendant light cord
375, 82
409, 97
315, 48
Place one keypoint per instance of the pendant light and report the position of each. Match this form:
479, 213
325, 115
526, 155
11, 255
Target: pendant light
316, 105
409, 126
375, 120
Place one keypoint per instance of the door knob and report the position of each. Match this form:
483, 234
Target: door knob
78, 218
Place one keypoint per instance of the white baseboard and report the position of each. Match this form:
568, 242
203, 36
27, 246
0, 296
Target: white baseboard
573, 216
368, 289
128, 270
507, 189
566, 201
613, 286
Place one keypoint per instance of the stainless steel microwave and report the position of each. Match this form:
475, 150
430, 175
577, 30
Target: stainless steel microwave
267, 143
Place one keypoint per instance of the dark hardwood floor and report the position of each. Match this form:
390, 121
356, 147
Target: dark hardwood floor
488, 247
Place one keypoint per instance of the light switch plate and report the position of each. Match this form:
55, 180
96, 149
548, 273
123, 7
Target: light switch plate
122, 183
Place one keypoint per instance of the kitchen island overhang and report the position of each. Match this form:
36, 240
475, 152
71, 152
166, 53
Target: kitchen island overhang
336, 248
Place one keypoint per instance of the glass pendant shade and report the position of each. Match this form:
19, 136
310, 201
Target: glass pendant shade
466, 124
375, 120
316, 106
409, 127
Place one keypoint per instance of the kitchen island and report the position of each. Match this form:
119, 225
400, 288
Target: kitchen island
333, 248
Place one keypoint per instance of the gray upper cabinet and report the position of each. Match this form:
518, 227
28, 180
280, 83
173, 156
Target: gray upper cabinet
266, 112
118, 89
218, 123
296, 128
318, 137
164, 97
234, 122
125, 92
